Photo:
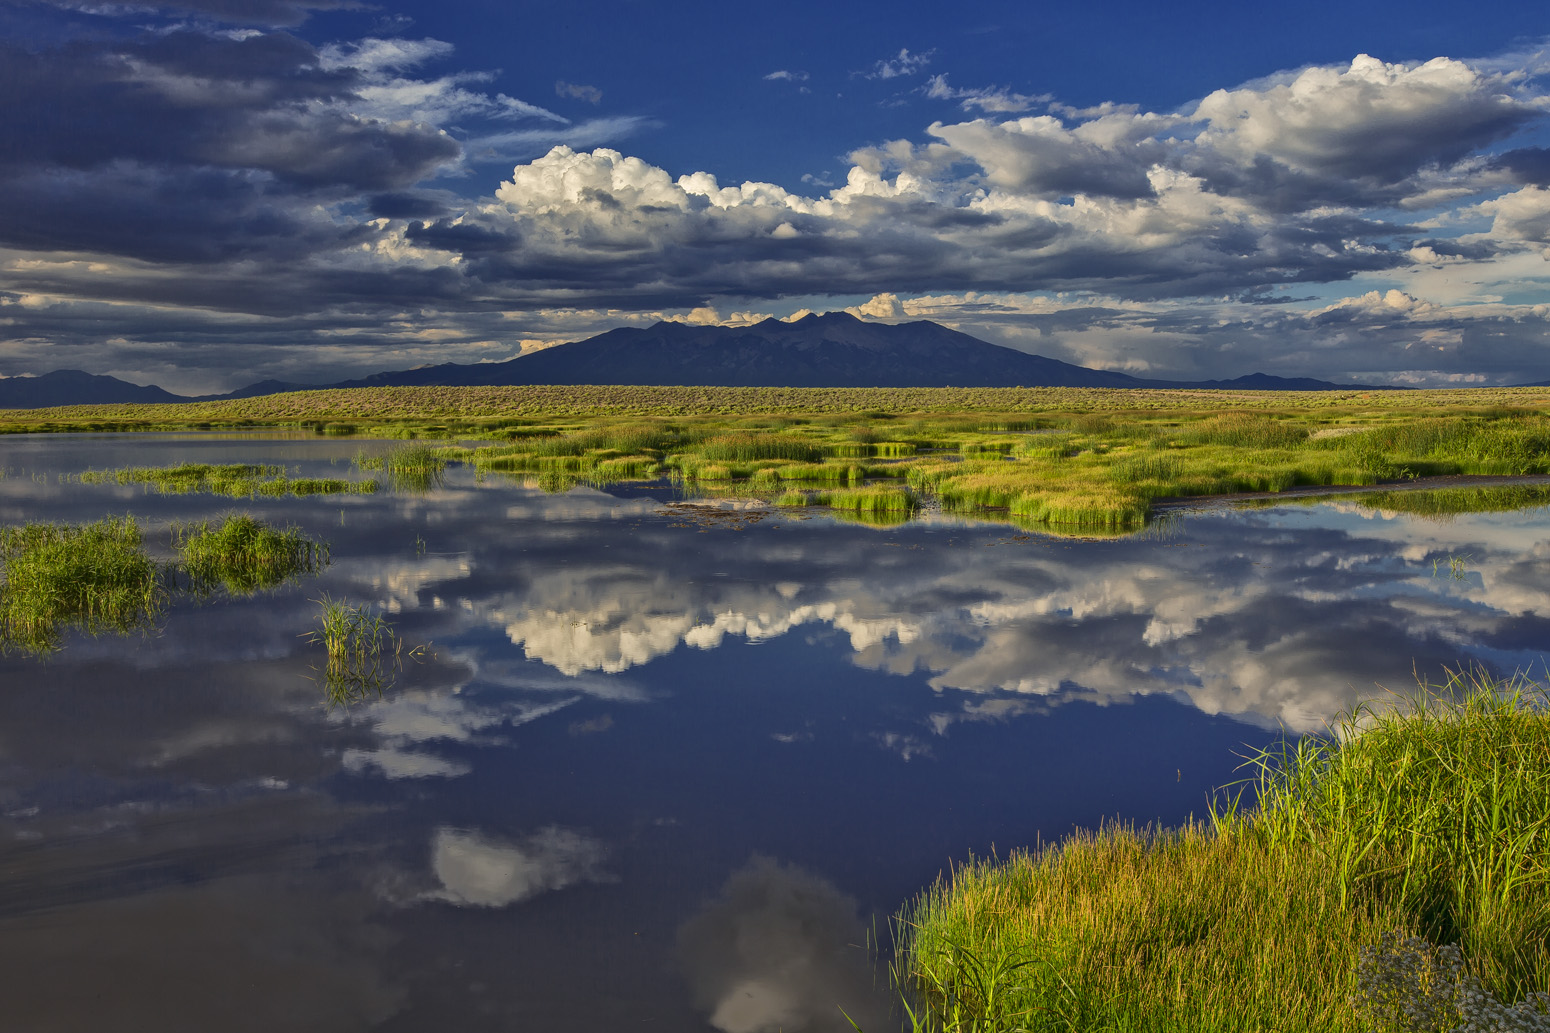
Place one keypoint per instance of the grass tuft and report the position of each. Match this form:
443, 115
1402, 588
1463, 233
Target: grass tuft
364, 653
244, 556
94, 577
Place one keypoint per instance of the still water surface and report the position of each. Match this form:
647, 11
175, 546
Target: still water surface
662, 768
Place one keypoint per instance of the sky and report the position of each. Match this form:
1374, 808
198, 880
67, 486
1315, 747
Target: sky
206, 193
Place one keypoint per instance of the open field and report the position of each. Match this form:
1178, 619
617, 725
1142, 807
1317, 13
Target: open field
476, 409
1083, 459
1395, 877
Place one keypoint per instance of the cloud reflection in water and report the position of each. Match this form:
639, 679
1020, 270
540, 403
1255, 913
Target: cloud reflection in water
477, 870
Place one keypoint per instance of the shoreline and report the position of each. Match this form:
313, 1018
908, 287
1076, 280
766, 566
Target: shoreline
1188, 502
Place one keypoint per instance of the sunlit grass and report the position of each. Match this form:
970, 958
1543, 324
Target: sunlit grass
363, 652
239, 480
1425, 819
414, 468
1072, 460
244, 556
1094, 472
1438, 807
868, 500
93, 577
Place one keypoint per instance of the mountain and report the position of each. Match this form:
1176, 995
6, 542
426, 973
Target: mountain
833, 350
73, 387
258, 390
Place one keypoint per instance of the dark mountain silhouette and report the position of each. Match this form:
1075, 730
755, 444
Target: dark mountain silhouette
834, 350
72, 387
258, 390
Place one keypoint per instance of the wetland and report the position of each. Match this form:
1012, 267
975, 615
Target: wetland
612, 739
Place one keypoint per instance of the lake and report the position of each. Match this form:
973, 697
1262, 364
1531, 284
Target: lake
655, 765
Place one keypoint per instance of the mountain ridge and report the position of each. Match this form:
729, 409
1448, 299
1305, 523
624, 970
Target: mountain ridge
831, 350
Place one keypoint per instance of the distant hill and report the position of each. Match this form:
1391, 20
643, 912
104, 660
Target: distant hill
73, 387
833, 350
258, 390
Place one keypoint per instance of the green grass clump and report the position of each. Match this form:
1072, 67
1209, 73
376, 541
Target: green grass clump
414, 468
245, 556
753, 448
869, 500
364, 653
1421, 824
95, 577
1244, 430
237, 480
1439, 809
190, 478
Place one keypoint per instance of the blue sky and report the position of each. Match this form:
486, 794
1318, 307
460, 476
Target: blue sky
204, 193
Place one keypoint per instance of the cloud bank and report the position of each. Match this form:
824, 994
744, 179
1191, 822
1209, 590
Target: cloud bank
347, 206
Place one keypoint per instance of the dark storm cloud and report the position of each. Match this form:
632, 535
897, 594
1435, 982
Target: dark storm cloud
262, 103
408, 205
165, 215
1527, 165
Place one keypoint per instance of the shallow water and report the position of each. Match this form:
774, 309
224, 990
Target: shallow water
661, 768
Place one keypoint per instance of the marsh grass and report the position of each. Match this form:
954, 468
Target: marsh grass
1443, 504
868, 501
1094, 472
93, 577
364, 653
237, 480
744, 447
1438, 806
1423, 820
244, 556
1067, 460
416, 468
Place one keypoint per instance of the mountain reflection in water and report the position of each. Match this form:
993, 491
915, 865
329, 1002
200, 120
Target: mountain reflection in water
650, 769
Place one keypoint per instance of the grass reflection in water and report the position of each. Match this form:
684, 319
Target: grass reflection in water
364, 653
98, 579
414, 468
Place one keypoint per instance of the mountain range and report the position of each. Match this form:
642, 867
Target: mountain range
833, 350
